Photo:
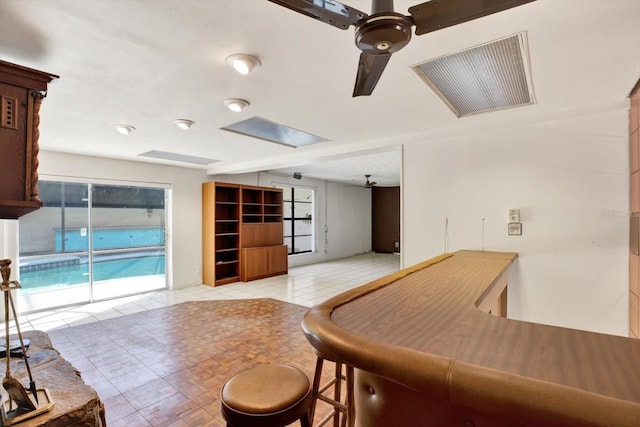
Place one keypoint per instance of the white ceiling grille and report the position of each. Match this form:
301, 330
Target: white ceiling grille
488, 77
177, 157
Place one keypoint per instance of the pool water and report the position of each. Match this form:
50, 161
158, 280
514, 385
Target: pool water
107, 269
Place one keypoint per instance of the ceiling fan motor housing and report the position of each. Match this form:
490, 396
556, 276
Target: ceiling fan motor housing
383, 33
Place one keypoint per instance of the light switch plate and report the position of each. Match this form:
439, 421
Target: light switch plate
514, 215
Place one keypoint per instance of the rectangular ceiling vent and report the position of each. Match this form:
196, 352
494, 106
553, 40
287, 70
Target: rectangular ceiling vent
177, 157
492, 76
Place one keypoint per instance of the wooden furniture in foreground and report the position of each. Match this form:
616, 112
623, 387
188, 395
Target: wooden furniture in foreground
242, 231
75, 403
21, 92
266, 396
426, 352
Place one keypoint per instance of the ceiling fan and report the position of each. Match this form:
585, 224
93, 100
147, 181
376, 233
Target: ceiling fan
369, 184
385, 32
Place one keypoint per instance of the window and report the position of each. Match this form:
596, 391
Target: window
91, 242
298, 211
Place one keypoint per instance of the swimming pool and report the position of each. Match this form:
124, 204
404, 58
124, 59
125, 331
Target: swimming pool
104, 268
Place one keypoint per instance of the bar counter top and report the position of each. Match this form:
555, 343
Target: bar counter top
427, 328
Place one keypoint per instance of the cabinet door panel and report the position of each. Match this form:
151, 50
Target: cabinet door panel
278, 259
255, 263
14, 143
263, 261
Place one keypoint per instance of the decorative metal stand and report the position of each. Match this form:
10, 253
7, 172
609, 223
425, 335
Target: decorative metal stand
19, 405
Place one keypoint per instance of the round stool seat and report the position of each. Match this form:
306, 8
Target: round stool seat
266, 396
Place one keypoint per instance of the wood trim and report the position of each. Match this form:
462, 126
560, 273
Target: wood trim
25, 77
32, 125
491, 298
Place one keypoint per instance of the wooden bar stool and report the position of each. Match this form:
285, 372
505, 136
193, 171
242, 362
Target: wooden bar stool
267, 396
342, 412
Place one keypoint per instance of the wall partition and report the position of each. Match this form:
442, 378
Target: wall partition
92, 242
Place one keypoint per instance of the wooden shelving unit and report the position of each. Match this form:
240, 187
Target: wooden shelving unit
273, 206
220, 233
242, 233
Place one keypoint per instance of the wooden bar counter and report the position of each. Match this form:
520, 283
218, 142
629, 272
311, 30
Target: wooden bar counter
426, 352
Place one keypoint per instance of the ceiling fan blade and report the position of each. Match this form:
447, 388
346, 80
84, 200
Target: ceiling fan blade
436, 14
328, 11
370, 68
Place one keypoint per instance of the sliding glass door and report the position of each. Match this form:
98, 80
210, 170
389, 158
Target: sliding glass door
127, 240
54, 250
91, 242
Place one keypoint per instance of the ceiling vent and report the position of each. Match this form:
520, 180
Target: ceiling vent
177, 157
492, 76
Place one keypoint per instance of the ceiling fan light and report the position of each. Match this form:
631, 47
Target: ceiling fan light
243, 63
184, 124
125, 129
235, 105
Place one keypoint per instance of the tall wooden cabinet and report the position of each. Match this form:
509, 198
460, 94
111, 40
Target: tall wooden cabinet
242, 233
22, 90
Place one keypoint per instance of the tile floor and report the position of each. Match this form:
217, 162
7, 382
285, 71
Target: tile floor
160, 359
305, 285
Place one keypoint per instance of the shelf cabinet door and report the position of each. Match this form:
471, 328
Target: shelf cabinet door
270, 234
263, 261
277, 259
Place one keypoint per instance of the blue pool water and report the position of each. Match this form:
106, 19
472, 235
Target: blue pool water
77, 239
105, 268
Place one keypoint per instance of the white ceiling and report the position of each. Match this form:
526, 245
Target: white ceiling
148, 62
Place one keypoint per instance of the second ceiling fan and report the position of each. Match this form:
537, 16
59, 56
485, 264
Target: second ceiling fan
385, 32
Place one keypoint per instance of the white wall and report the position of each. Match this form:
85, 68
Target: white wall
344, 209
185, 217
570, 180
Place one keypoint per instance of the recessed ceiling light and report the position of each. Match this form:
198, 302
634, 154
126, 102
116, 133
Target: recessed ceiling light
242, 63
125, 129
235, 105
184, 124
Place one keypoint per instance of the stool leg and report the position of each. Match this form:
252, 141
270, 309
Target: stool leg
305, 421
347, 402
351, 407
315, 387
337, 393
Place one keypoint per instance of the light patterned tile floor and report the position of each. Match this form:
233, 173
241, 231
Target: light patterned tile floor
159, 359
306, 285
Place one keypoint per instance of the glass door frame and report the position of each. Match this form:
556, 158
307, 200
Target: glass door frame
90, 182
